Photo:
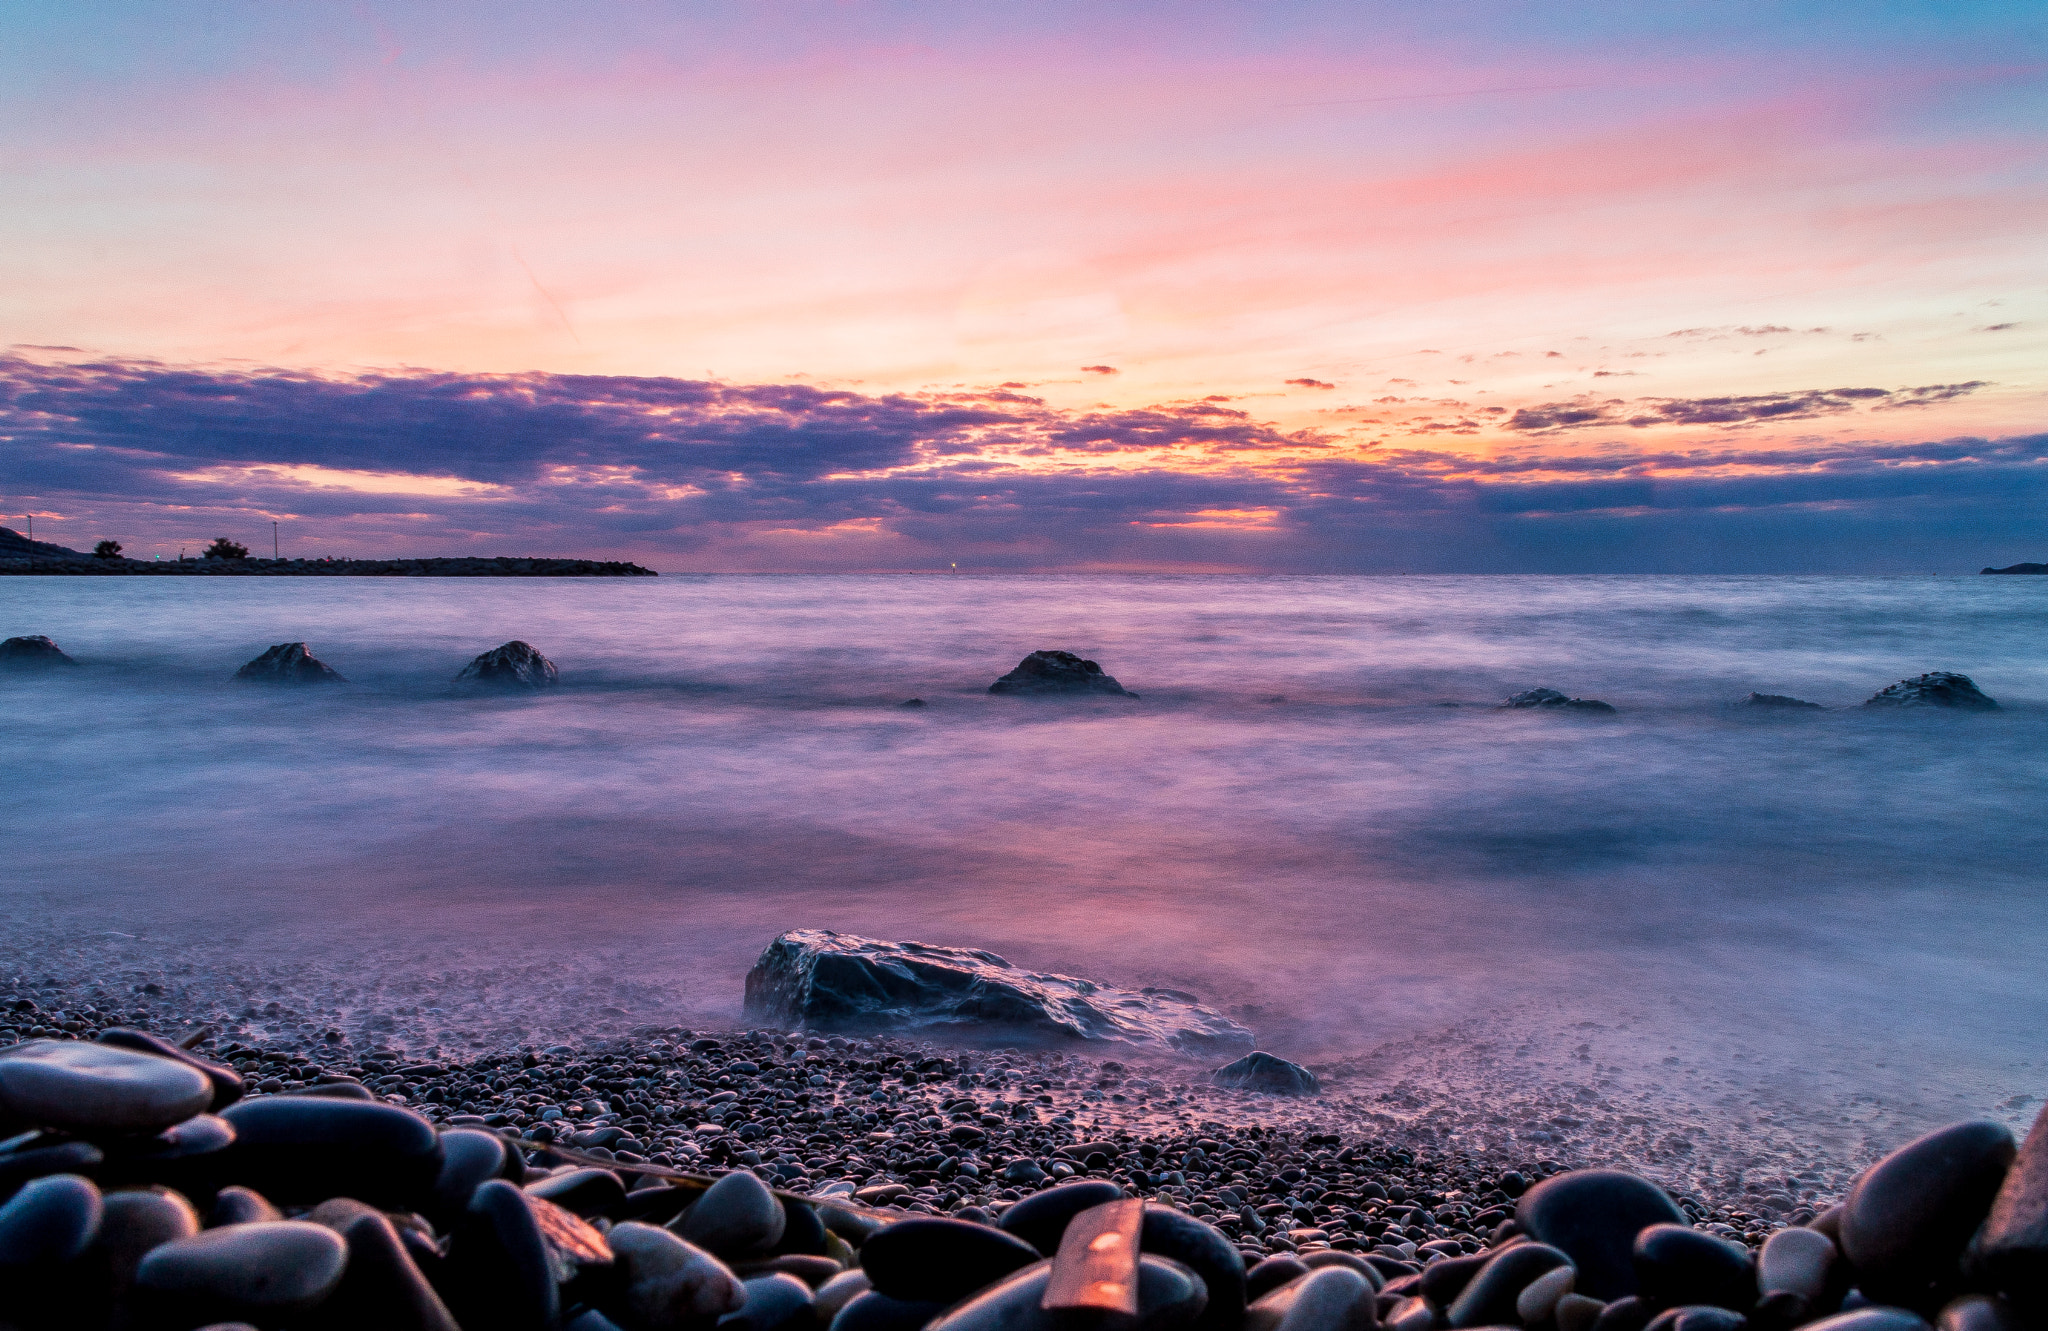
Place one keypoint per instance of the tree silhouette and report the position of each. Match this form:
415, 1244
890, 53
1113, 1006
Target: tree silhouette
108, 550
223, 548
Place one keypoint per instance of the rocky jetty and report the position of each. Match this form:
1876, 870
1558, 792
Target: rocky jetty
516, 665
1058, 674
1937, 688
820, 980
1780, 702
741, 1180
1549, 698
1259, 1071
33, 652
288, 663
2019, 568
36, 557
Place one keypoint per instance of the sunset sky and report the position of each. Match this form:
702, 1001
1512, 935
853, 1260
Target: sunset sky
1307, 287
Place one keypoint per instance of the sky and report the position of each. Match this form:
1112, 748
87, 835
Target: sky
1289, 286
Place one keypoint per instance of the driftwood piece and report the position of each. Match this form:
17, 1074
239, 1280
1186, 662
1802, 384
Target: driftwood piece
1096, 1268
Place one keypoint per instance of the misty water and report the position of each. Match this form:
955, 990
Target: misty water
1783, 926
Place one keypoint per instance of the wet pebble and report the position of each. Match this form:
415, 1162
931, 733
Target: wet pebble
941, 1261
1906, 1222
262, 1273
666, 1281
92, 1088
735, 1216
1593, 1217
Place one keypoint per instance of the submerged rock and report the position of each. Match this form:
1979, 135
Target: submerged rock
516, 665
1780, 702
1058, 673
288, 663
1259, 1071
831, 981
1552, 698
33, 652
1936, 688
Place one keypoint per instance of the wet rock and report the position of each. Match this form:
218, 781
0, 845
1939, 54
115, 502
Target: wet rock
266, 1274
1593, 1216
841, 982
941, 1261
1259, 1071
91, 1088
1489, 1300
1698, 1317
666, 1282
236, 1205
1871, 1319
1797, 1261
1057, 673
382, 1287
227, 1083
501, 1270
1938, 688
1907, 1220
2011, 1253
869, 1311
773, 1303
1981, 1312
516, 665
1537, 1303
1202, 1249
468, 1159
735, 1216
288, 663
1677, 1264
1169, 1296
51, 1221
1779, 702
1332, 1299
1040, 1219
303, 1150
1551, 698
34, 652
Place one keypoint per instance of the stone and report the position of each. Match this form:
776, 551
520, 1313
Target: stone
1259, 1071
1907, 1220
90, 1089
1981, 1312
266, 1274
1332, 1299
584, 1191
34, 652
288, 663
934, 1260
803, 1231
132, 1222
303, 1150
1593, 1217
773, 1303
18, 1167
382, 1286
2011, 1252
236, 1205
227, 1083
49, 1222
1551, 698
501, 1271
736, 1215
1576, 1312
1797, 1261
468, 1159
869, 1311
1271, 1274
1169, 1296
1489, 1299
516, 665
839, 1291
1677, 1264
827, 981
1058, 673
1871, 1319
1042, 1218
187, 1156
1202, 1249
1625, 1314
1780, 702
1537, 1303
1442, 1281
665, 1282
1937, 688
1698, 1317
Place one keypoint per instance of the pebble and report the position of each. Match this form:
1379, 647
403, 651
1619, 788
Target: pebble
1698, 1317
1537, 1303
262, 1273
1272, 1273
236, 1205
932, 1260
382, 1287
50, 1221
872, 1311
1039, 1220
1871, 1319
91, 1089
1259, 1071
1593, 1216
1907, 1220
228, 1086
1576, 1312
1981, 1312
736, 1215
668, 1282
468, 1159
295, 1150
133, 1222
1332, 1299
1490, 1297
772, 1303
1677, 1264
501, 1271
2011, 1252
1796, 1261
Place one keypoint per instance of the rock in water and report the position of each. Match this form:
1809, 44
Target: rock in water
93, 1088
1937, 688
1258, 1071
288, 663
1780, 702
1593, 1216
516, 665
829, 981
1906, 1221
1058, 673
1552, 698
34, 652
2012, 1248
2019, 568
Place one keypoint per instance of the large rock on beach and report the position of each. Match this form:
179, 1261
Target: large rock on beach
828, 981
1552, 699
1936, 688
1259, 1071
288, 663
1058, 673
516, 665
33, 652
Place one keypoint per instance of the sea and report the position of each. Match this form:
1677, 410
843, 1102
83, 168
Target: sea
1819, 930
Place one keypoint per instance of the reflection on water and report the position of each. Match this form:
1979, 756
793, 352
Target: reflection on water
1289, 823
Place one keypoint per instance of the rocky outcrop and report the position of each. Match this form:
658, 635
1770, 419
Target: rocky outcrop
1258, 1071
1058, 673
34, 652
1779, 702
2020, 568
53, 559
827, 981
1936, 688
516, 665
13, 545
288, 663
1552, 698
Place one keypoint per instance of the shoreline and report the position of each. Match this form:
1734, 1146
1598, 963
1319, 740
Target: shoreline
499, 566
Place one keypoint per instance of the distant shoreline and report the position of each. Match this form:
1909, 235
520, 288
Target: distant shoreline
501, 566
